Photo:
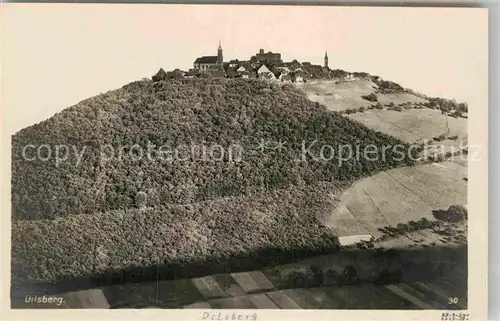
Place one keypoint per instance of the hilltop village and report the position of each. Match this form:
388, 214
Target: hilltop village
270, 66
267, 65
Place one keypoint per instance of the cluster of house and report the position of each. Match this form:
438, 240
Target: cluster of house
267, 65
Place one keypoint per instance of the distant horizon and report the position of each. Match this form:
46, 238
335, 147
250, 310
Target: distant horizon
74, 52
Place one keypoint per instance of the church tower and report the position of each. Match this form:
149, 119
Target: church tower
325, 64
219, 55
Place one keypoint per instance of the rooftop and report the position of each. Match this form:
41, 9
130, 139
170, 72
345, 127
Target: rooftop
206, 60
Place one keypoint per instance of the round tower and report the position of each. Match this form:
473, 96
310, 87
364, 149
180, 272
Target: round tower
325, 64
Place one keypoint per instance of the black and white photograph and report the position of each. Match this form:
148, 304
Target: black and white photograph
214, 158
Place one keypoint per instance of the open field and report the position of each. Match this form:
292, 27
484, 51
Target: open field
368, 296
413, 125
403, 194
347, 95
408, 125
398, 196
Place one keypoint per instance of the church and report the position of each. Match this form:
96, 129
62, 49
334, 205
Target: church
209, 62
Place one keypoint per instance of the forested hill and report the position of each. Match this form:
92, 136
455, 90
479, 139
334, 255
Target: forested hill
173, 114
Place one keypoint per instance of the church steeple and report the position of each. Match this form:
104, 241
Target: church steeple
219, 54
325, 63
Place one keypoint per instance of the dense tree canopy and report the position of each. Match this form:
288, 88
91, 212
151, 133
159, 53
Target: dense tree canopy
183, 112
88, 212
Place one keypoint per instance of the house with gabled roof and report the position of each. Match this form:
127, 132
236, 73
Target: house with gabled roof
268, 75
192, 73
284, 69
285, 78
232, 72
301, 76
265, 72
247, 65
215, 72
234, 63
306, 64
263, 69
293, 65
160, 75
247, 74
176, 73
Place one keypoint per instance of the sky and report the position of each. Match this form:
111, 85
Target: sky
55, 55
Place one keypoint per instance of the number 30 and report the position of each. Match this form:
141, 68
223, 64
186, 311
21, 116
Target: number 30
452, 300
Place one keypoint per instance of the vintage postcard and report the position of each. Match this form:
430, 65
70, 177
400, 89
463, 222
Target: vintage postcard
244, 162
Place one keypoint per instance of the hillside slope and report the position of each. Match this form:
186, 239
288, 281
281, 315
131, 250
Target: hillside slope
339, 96
393, 110
182, 114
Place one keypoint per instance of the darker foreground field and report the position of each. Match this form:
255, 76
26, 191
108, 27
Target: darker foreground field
428, 279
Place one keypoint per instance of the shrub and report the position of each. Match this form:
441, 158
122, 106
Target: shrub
457, 213
439, 158
463, 107
361, 75
454, 214
396, 108
331, 277
299, 280
446, 105
370, 97
411, 226
349, 276
318, 276
389, 86
439, 138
